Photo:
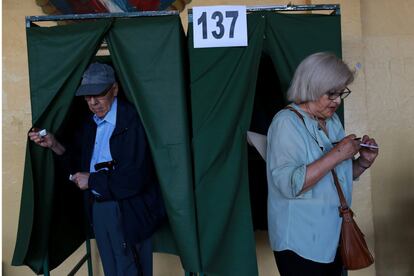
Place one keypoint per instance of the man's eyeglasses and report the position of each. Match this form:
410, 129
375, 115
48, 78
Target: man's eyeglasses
333, 95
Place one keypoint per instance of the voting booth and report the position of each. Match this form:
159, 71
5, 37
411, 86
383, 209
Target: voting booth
196, 105
147, 51
233, 90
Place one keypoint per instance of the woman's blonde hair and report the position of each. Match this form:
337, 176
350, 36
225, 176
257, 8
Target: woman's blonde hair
318, 74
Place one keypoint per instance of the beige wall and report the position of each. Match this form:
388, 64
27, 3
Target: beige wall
376, 33
388, 35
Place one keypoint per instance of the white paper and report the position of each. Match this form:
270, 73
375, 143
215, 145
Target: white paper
369, 146
42, 133
259, 141
219, 26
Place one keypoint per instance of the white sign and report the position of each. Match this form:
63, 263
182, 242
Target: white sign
219, 26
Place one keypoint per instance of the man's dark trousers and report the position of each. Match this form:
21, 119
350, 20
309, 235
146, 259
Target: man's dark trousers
118, 257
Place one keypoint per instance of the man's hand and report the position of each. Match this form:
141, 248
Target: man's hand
47, 141
81, 180
44, 141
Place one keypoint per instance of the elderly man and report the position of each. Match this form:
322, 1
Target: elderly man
116, 173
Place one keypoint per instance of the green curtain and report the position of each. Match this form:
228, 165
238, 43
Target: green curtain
58, 56
223, 82
292, 37
151, 66
148, 57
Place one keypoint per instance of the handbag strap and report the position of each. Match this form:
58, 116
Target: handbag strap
342, 200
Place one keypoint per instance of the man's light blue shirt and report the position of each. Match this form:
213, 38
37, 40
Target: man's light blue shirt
307, 223
104, 130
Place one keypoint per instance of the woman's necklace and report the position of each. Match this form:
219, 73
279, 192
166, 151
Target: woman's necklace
321, 122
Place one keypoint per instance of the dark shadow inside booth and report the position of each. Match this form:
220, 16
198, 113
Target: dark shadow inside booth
268, 100
67, 206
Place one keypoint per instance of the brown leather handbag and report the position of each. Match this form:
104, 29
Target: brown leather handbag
354, 250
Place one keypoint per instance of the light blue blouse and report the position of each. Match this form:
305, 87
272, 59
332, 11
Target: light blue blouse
307, 223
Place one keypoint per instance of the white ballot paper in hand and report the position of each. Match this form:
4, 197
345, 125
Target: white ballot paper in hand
369, 146
259, 141
43, 133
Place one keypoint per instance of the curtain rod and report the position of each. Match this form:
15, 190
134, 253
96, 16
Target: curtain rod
249, 9
30, 19
87, 16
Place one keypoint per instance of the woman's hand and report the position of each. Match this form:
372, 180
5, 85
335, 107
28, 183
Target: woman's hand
347, 148
367, 155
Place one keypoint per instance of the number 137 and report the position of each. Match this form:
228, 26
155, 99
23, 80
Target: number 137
218, 17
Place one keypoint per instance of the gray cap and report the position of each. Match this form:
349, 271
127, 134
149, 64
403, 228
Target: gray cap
97, 78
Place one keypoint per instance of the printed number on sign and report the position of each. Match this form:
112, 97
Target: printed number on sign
219, 26
218, 17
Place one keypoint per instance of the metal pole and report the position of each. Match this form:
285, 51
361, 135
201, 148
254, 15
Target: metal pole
88, 252
285, 8
90, 16
46, 265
